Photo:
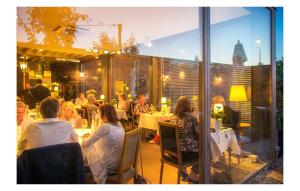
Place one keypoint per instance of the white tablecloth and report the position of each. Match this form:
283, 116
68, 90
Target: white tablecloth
150, 121
121, 114
221, 141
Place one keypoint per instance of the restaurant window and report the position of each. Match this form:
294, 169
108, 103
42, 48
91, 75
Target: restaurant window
240, 92
159, 63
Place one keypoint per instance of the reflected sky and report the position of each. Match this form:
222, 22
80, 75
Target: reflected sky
279, 33
174, 33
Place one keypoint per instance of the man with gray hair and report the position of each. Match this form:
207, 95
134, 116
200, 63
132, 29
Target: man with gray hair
23, 120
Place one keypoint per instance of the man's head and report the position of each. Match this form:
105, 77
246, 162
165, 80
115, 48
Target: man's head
21, 111
49, 107
121, 97
142, 99
27, 86
81, 95
39, 81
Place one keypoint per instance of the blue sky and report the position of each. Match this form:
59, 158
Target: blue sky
279, 33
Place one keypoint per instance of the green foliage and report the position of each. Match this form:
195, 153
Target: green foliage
279, 93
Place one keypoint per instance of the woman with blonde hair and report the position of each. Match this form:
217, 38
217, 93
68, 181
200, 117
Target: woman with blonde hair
69, 113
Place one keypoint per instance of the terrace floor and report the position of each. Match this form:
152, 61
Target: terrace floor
222, 173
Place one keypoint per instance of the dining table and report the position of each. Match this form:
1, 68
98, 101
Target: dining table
150, 120
121, 114
222, 141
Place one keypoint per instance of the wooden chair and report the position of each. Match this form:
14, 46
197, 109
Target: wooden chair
128, 162
170, 150
131, 115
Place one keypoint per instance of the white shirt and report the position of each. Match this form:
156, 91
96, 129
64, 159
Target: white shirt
80, 102
122, 105
27, 120
103, 150
47, 132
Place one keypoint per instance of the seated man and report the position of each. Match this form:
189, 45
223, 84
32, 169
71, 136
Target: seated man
231, 118
23, 120
81, 100
48, 131
141, 106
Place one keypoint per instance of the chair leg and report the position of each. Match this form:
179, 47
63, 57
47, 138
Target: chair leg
161, 172
229, 156
178, 176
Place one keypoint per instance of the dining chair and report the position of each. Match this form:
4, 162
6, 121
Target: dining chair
55, 164
128, 163
170, 150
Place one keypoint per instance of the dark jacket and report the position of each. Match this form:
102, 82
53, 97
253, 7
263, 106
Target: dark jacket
55, 164
28, 98
40, 92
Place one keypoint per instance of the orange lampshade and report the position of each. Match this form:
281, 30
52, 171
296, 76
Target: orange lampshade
237, 93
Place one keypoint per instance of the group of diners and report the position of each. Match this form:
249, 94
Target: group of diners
53, 129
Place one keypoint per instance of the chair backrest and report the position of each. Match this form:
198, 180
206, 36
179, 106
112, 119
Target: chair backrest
169, 140
55, 164
129, 151
232, 117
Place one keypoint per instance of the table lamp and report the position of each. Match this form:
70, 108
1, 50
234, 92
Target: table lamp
102, 97
163, 104
237, 94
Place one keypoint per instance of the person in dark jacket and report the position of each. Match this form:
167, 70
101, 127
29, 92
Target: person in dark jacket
40, 92
28, 97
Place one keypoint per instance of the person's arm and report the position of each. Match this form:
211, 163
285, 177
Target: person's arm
136, 110
21, 144
74, 136
78, 122
196, 126
95, 136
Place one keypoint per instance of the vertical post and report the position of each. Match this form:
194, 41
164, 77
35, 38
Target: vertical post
274, 141
204, 95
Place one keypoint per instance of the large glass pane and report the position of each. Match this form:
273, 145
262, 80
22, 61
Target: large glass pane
240, 92
114, 51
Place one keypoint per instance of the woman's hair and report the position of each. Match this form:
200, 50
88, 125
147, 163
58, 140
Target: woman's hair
71, 106
91, 98
110, 114
49, 107
183, 106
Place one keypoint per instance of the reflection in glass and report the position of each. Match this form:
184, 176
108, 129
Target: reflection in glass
240, 75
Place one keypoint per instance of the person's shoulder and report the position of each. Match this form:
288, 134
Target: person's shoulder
190, 116
62, 123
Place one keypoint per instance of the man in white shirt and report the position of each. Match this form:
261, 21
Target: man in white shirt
48, 131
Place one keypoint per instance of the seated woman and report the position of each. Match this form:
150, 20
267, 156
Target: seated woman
122, 104
104, 146
189, 134
69, 113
